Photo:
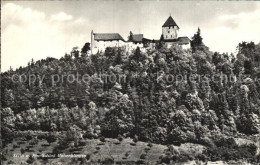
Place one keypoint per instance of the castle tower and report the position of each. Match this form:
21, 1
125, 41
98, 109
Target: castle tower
169, 29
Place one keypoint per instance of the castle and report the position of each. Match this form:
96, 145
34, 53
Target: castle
169, 37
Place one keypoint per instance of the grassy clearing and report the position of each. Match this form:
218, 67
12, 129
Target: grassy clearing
107, 151
125, 151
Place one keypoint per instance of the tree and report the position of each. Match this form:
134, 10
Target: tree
119, 120
7, 124
130, 38
85, 48
248, 67
196, 42
118, 58
30, 159
51, 138
161, 42
75, 52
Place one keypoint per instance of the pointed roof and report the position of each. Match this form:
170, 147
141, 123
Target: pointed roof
170, 22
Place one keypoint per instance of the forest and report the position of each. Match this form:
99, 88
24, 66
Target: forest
166, 96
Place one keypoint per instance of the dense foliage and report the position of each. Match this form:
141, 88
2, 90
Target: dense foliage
147, 100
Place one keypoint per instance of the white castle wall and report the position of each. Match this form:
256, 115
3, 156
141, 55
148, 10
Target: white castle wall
100, 46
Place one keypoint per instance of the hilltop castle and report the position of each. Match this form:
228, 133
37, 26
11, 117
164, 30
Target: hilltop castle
169, 36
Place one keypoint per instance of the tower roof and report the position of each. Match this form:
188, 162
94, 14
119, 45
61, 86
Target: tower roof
170, 22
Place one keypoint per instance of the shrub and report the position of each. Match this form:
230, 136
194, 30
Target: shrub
184, 158
51, 138
102, 139
87, 136
143, 156
135, 139
82, 143
120, 138
146, 150
30, 160
149, 144
165, 159
140, 161
88, 156
133, 144
225, 142
22, 150
228, 153
33, 142
108, 160
207, 142
16, 146
3, 158
28, 137
126, 154
41, 136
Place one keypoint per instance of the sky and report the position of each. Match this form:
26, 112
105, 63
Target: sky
40, 29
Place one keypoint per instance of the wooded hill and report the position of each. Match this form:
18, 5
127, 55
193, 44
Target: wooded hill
150, 104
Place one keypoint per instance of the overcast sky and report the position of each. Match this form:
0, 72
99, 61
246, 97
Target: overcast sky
49, 29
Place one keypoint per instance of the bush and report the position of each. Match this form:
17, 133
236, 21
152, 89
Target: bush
108, 160
146, 150
33, 142
165, 159
126, 154
143, 156
120, 138
102, 139
41, 136
135, 139
28, 137
133, 144
149, 144
185, 158
22, 150
228, 153
51, 138
63, 144
88, 156
30, 160
16, 146
140, 161
207, 142
82, 143
3, 158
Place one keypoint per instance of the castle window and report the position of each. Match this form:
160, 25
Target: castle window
168, 31
169, 27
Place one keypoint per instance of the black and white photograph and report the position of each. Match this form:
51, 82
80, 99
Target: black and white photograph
113, 82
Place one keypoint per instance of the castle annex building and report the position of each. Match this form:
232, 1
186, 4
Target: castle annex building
169, 37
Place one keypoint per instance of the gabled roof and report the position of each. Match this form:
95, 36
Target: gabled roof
183, 40
138, 37
179, 40
107, 36
170, 40
170, 22
146, 39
